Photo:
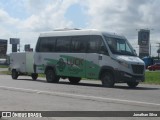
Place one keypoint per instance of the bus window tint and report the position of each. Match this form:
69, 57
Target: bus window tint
63, 44
47, 44
78, 44
95, 44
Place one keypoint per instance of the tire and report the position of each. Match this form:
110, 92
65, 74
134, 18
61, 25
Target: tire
51, 76
14, 74
34, 76
107, 80
132, 84
74, 80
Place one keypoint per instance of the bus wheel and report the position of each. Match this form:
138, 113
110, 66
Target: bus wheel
14, 74
132, 84
107, 79
74, 80
34, 76
51, 76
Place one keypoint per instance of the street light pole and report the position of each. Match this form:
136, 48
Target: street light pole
158, 51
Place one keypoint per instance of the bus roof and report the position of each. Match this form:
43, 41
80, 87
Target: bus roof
75, 32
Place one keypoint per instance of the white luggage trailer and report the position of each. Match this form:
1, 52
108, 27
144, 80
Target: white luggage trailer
22, 64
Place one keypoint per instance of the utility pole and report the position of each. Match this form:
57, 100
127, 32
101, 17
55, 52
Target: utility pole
158, 51
19, 46
150, 52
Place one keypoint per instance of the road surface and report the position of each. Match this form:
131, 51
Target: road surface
27, 95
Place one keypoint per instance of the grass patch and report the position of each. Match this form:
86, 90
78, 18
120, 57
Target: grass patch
41, 75
3, 66
152, 77
5, 72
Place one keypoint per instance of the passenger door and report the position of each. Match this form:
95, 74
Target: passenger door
94, 56
76, 57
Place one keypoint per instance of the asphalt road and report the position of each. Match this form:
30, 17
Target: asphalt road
27, 95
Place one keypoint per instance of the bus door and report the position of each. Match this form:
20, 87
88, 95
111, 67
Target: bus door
76, 61
93, 56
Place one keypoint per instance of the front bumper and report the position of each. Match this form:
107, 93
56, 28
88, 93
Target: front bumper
123, 77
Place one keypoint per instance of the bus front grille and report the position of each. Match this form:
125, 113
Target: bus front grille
138, 69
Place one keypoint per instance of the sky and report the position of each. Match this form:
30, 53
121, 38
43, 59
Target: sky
26, 19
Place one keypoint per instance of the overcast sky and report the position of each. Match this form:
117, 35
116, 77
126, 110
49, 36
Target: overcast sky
25, 19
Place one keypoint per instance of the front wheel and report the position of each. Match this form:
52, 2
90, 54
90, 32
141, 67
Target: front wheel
51, 76
132, 84
74, 80
107, 80
34, 76
14, 74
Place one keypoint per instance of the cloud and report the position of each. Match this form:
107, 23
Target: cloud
119, 16
48, 16
6, 19
8, 25
4, 33
123, 16
42, 16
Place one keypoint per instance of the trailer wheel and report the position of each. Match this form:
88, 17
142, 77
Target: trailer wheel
107, 79
51, 76
132, 84
14, 74
74, 80
34, 76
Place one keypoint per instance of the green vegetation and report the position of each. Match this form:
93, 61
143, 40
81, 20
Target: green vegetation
5, 72
3, 66
41, 75
151, 77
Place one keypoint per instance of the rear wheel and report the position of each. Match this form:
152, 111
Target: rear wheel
132, 84
14, 74
51, 76
34, 76
74, 80
107, 80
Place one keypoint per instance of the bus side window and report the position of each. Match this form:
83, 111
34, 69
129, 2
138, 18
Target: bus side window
92, 46
97, 45
38, 45
78, 44
46, 44
63, 44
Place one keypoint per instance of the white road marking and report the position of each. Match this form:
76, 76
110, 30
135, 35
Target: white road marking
81, 96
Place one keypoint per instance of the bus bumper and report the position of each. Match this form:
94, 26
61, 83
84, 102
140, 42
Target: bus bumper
123, 77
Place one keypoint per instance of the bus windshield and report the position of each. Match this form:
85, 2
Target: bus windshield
119, 46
